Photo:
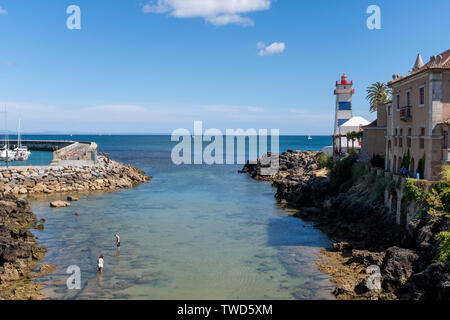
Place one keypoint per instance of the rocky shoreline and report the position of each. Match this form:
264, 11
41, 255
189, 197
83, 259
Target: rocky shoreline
364, 233
19, 251
106, 175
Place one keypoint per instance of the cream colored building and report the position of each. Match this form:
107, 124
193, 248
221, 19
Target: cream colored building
419, 116
374, 135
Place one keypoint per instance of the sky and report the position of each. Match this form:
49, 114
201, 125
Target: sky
140, 66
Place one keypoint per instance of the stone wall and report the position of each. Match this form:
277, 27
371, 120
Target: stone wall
404, 211
105, 175
43, 145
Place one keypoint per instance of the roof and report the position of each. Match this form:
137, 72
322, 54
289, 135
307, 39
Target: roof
373, 123
355, 122
441, 61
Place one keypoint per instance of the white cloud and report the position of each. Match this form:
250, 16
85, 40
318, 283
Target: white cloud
216, 12
274, 48
3, 11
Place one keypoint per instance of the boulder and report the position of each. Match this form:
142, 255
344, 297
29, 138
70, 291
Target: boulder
72, 198
59, 204
398, 266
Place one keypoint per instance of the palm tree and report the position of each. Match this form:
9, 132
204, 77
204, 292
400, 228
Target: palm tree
377, 94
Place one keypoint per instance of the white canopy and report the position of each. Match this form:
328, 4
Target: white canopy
353, 124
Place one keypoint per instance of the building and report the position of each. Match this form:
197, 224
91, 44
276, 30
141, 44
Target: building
374, 136
344, 121
419, 116
343, 110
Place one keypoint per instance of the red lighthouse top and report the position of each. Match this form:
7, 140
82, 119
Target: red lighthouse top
344, 80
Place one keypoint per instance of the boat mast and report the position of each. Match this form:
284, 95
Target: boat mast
6, 140
19, 143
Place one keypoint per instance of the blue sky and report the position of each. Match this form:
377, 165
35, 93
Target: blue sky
143, 67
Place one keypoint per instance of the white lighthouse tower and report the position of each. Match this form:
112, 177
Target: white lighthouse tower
344, 93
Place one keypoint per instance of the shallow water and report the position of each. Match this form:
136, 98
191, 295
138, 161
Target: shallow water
193, 232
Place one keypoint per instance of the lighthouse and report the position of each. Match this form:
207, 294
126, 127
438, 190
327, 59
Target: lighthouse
344, 92
344, 121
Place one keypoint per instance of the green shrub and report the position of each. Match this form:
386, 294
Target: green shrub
445, 173
412, 192
358, 171
441, 186
444, 247
368, 179
445, 198
342, 169
326, 161
406, 160
381, 183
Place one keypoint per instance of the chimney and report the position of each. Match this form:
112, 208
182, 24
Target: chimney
419, 63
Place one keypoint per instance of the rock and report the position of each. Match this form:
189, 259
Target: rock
105, 175
72, 198
19, 251
341, 246
398, 266
59, 204
431, 284
46, 269
367, 258
78, 213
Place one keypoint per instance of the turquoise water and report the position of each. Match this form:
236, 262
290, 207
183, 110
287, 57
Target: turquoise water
37, 158
193, 232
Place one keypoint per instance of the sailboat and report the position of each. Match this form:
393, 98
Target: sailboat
7, 154
309, 138
21, 152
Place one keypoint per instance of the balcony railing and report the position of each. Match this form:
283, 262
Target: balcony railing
405, 113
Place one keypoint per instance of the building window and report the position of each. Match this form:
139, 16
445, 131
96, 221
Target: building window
395, 142
398, 102
389, 111
422, 140
421, 96
408, 98
400, 142
395, 132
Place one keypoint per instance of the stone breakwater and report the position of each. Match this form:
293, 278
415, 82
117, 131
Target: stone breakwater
19, 251
364, 233
105, 175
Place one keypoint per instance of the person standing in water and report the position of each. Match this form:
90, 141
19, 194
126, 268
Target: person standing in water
117, 241
100, 263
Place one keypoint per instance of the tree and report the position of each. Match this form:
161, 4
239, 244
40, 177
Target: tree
377, 94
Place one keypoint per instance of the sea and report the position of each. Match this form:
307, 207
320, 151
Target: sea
192, 232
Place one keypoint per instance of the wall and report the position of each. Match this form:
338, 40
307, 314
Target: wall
394, 199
